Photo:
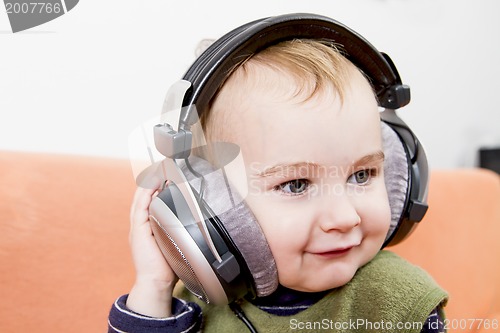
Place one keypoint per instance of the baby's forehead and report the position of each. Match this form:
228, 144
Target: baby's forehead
273, 101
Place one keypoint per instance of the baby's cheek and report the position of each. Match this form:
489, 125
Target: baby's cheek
288, 267
285, 244
376, 214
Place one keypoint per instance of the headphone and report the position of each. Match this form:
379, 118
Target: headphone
204, 230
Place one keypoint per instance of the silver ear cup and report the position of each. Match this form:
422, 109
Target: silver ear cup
184, 255
177, 260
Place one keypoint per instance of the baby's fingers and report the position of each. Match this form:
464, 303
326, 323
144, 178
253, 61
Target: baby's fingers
140, 205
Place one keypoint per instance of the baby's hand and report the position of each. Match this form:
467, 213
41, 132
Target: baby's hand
151, 294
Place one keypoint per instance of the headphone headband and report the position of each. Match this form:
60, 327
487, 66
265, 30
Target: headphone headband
211, 68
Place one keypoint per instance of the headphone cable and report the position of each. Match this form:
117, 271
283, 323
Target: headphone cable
238, 311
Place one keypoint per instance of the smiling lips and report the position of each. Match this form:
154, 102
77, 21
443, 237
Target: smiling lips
334, 253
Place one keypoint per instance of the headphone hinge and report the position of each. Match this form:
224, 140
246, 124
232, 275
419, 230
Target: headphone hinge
417, 210
228, 268
396, 97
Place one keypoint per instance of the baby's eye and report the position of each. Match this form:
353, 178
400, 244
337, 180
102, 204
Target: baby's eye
362, 177
294, 187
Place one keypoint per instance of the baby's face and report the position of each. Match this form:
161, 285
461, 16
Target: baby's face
315, 175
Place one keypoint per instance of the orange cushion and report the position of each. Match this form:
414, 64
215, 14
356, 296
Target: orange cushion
458, 242
64, 250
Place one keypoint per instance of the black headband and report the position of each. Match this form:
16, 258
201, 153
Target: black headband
212, 67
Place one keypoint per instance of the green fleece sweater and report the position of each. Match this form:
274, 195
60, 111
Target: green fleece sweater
386, 295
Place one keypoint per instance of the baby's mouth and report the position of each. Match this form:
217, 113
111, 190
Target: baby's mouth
334, 253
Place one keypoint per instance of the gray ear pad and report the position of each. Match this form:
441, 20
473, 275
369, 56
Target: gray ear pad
239, 222
396, 174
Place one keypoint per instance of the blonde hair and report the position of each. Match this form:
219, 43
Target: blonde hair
314, 64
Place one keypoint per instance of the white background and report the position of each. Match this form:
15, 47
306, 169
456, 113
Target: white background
82, 82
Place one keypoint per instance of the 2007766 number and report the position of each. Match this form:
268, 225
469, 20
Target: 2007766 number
471, 324
32, 8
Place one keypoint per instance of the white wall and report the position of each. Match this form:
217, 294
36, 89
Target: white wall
81, 83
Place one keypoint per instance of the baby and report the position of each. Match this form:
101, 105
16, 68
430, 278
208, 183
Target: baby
308, 125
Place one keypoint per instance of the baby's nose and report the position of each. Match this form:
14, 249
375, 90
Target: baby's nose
338, 213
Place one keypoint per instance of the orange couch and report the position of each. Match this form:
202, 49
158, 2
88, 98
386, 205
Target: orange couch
64, 242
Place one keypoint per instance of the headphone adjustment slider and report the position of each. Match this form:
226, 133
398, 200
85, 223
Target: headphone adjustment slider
170, 143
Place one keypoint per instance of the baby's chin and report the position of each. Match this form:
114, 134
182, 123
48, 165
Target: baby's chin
321, 284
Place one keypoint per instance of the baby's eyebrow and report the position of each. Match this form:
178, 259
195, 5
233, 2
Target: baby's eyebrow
370, 159
281, 170
302, 169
